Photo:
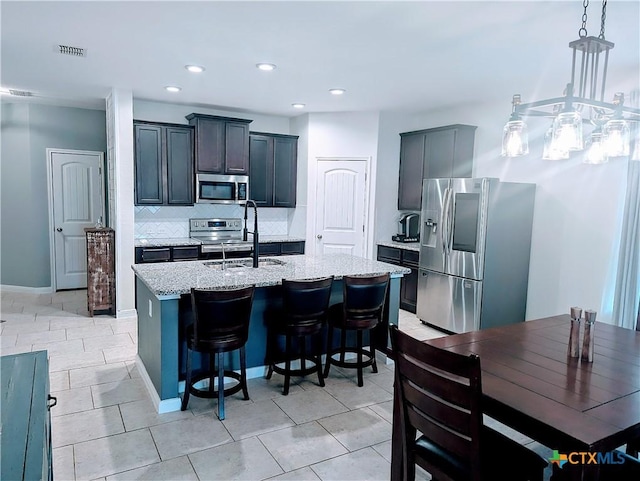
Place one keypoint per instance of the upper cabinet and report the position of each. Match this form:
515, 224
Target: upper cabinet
222, 144
273, 169
163, 163
431, 154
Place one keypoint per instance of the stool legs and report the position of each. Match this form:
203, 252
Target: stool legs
220, 357
327, 365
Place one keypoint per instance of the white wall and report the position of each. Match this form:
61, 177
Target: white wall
342, 135
577, 211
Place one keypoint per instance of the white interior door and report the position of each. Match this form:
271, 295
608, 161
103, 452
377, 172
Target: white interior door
77, 202
340, 206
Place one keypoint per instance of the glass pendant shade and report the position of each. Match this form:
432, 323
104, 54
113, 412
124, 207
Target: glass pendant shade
515, 139
594, 153
551, 150
616, 138
567, 131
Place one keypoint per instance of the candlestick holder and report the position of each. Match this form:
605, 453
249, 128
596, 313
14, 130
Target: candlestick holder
589, 334
573, 349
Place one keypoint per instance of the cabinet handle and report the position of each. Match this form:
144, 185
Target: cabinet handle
49, 403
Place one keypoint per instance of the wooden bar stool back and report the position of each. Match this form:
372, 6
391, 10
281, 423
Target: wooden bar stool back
220, 325
361, 311
305, 304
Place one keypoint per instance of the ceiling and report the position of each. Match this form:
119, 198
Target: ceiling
389, 56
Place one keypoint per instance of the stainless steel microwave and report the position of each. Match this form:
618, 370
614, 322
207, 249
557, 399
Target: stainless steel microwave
221, 189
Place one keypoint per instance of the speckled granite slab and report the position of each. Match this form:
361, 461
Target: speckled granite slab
187, 241
169, 280
409, 246
167, 242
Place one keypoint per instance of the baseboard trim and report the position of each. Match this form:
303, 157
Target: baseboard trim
126, 313
26, 290
162, 405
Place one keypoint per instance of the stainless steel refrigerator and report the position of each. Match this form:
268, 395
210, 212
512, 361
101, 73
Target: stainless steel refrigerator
475, 243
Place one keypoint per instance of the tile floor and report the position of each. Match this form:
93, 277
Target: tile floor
105, 427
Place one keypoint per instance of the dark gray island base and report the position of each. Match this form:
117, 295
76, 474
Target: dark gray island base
164, 309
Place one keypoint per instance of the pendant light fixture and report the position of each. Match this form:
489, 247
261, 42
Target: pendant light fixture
583, 102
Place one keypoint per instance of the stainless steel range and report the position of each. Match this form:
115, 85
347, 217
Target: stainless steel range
220, 235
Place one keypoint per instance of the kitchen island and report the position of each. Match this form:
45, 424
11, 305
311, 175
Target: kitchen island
162, 295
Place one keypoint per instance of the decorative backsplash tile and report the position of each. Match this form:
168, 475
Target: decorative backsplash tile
164, 221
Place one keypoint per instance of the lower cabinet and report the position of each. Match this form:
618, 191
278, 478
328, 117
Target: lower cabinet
409, 282
281, 248
167, 254
25, 438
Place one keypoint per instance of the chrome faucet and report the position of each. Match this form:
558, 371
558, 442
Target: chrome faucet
255, 230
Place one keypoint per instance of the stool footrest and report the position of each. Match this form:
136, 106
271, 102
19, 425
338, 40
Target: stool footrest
208, 393
312, 369
367, 360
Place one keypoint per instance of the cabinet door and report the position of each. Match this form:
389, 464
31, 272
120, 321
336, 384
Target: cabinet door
409, 291
210, 145
411, 165
179, 148
449, 152
439, 151
236, 148
261, 170
149, 167
285, 160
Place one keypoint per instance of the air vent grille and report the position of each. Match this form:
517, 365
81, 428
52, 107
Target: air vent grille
20, 93
73, 51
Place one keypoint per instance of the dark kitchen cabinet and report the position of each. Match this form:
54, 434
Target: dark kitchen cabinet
222, 144
409, 282
273, 169
163, 164
431, 154
166, 254
281, 248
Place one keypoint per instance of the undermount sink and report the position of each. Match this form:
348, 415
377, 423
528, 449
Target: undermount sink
242, 264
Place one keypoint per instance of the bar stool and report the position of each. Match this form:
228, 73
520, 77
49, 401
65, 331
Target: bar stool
305, 304
220, 324
361, 310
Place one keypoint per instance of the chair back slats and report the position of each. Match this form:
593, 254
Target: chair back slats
221, 314
450, 411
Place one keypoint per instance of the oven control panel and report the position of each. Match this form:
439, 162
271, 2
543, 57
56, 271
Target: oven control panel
214, 225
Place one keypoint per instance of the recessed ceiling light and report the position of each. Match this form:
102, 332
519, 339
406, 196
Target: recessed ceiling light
194, 68
337, 91
171, 88
267, 67
298, 106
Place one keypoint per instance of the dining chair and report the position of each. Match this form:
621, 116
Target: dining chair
360, 311
440, 397
305, 304
220, 325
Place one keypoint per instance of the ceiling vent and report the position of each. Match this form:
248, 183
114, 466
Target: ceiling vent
20, 93
73, 51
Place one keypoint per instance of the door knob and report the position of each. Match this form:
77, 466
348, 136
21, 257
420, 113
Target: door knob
319, 236
59, 229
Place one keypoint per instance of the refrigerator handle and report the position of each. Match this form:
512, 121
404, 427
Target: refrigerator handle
450, 223
443, 221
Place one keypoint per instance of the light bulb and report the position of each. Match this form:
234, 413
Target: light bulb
616, 138
595, 150
551, 150
567, 131
515, 139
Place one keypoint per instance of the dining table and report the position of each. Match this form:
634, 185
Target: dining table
531, 384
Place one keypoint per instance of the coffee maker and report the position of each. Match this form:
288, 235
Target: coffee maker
408, 228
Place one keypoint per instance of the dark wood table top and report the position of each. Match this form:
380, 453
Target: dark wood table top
531, 385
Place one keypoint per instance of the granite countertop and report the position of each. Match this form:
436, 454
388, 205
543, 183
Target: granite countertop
409, 246
188, 241
168, 280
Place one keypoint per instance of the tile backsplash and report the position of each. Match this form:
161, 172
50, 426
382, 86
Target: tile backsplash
163, 221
